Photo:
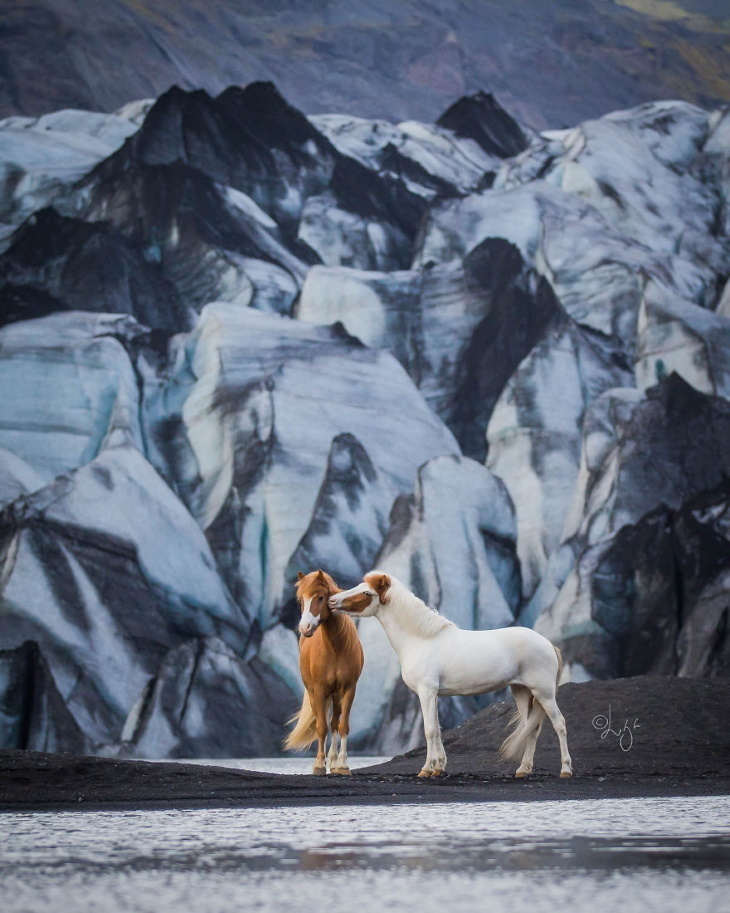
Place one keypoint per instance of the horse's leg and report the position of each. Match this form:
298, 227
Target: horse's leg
523, 699
342, 767
435, 754
440, 767
334, 729
529, 756
319, 705
550, 705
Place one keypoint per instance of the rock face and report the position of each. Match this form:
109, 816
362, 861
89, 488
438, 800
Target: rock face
56, 263
237, 343
650, 539
33, 715
554, 64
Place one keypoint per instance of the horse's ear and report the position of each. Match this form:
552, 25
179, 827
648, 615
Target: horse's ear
382, 586
320, 574
300, 576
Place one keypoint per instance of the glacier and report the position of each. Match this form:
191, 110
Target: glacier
237, 343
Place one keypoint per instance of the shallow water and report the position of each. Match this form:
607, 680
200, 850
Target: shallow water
288, 765
599, 855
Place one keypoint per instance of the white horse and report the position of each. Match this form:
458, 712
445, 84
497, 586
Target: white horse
436, 657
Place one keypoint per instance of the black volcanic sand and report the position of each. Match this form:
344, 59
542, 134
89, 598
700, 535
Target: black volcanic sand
668, 737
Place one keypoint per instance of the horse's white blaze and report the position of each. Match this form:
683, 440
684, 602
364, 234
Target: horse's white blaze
308, 619
336, 601
438, 658
360, 588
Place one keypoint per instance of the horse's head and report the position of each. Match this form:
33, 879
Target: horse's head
365, 598
313, 592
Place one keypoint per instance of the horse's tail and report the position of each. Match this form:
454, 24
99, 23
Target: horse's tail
305, 730
514, 745
560, 665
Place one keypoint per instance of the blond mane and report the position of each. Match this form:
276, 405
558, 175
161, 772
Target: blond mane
423, 620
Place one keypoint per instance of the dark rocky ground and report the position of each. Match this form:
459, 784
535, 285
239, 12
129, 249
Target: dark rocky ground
667, 737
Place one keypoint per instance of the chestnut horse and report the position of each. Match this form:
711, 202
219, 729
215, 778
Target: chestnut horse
437, 658
330, 660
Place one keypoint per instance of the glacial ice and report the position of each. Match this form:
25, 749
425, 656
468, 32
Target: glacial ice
495, 365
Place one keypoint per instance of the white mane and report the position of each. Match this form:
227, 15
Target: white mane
413, 613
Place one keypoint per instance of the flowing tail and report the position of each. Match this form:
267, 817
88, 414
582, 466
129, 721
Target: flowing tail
515, 743
305, 730
560, 666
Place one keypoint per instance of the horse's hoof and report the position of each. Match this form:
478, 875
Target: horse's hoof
341, 771
521, 773
565, 774
319, 771
425, 773
438, 772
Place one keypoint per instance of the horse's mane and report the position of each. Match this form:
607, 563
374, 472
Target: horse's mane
315, 582
423, 620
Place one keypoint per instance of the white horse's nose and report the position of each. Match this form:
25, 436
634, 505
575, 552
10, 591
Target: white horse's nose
332, 602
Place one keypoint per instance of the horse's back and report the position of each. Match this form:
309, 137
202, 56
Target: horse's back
474, 662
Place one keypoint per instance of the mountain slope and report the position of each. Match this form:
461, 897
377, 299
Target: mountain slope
551, 64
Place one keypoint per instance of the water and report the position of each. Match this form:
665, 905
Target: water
289, 765
638, 855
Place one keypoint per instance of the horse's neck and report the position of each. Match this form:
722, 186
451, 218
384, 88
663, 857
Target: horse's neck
395, 623
337, 630
408, 621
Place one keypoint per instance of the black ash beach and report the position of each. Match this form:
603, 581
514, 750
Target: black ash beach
638, 737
